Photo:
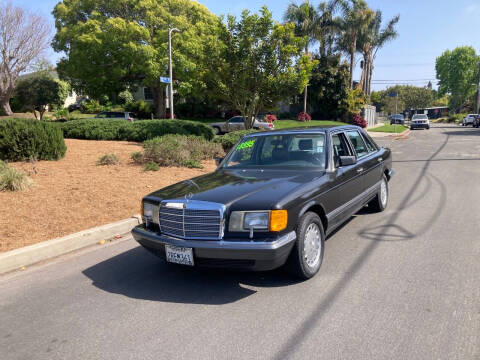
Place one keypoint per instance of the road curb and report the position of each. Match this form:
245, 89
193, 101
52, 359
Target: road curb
403, 135
29, 255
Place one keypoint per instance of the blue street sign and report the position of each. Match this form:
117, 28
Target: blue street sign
165, 80
393, 94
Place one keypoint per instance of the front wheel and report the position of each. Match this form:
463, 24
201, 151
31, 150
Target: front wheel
307, 255
380, 202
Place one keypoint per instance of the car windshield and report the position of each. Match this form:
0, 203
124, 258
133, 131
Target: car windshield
400, 117
420, 117
273, 151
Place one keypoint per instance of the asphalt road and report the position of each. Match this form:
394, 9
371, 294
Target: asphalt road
403, 284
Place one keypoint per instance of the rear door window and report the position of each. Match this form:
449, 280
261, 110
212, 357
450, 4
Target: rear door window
358, 143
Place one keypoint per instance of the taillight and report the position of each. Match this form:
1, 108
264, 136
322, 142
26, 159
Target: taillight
270, 125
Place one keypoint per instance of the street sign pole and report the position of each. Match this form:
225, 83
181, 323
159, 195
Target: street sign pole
172, 113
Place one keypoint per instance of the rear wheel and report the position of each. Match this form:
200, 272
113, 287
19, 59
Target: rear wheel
380, 202
216, 130
307, 255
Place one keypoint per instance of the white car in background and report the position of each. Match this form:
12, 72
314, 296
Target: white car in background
420, 121
468, 120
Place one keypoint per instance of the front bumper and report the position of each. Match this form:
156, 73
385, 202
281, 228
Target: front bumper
419, 126
251, 255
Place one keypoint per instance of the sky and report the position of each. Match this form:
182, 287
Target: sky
426, 29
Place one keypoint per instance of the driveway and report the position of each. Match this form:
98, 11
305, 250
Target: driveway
403, 284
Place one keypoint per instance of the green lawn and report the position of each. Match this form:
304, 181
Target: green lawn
283, 124
395, 129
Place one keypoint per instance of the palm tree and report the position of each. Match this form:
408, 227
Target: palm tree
304, 17
356, 18
372, 39
326, 26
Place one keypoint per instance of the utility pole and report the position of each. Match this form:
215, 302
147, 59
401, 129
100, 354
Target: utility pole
477, 98
170, 88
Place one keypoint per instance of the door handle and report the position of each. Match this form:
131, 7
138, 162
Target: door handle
359, 170
380, 159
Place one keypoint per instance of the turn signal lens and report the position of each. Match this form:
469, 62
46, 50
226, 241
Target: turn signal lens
278, 220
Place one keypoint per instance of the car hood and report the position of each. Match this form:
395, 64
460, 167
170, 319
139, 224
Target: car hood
241, 189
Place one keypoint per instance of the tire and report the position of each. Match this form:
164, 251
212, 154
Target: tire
216, 130
380, 202
412, 128
306, 265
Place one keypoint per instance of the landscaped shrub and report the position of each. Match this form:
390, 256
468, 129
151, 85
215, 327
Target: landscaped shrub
99, 129
151, 166
141, 108
125, 97
108, 159
137, 157
91, 107
359, 120
177, 150
271, 118
303, 117
229, 140
12, 179
22, 139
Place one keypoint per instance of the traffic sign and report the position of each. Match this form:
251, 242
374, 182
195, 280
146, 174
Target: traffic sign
165, 80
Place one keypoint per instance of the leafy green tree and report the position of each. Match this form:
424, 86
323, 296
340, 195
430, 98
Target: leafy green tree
260, 63
41, 91
457, 71
306, 22
113, 45
409, 97
329, 86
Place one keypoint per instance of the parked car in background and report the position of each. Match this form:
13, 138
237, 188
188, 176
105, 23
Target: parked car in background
272, 201
420, 121
77, 105
468, 120
129, 116
398, 119
476, 121
236, 123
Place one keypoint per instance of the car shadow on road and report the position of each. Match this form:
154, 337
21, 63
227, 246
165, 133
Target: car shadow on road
140, 275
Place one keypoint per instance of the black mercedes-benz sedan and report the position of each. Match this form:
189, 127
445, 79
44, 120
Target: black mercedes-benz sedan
271, 202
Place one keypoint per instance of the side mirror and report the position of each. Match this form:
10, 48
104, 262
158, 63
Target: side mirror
218, 160
347, 160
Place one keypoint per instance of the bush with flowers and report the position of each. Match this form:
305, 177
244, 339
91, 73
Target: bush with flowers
303, 117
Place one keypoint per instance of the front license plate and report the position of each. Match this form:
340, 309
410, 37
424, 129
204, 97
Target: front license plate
179, 255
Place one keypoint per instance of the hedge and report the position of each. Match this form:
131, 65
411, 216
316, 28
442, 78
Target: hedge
23, 139
110, 129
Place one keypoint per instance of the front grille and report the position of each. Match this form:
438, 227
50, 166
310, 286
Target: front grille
191, 223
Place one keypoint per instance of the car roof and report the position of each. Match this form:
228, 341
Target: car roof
306, 130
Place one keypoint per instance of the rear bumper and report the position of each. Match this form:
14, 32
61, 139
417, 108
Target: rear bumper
256, 256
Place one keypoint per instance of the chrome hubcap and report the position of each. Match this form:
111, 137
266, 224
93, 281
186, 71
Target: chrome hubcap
383, 193
312, 245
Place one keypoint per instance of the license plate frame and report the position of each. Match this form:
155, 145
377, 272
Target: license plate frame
179, 255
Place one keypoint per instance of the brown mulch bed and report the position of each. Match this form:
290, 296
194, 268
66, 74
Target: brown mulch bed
75, 194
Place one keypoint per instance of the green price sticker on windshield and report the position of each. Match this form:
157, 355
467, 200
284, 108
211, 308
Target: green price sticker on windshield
246, 144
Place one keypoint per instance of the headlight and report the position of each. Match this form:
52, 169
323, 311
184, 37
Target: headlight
243, 221
256, 220
147, 210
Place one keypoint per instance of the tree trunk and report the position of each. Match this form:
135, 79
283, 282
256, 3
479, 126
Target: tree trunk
306, 89
158, 93
5, 106
352, 61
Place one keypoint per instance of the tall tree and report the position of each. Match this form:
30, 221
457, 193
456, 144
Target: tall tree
110, 45
23, 38
260, 63
326, 27
457, 71
305, 18
370, 40
356, 16
329, 87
